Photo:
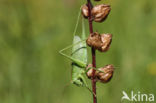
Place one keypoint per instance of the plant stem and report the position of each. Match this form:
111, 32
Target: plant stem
89, 4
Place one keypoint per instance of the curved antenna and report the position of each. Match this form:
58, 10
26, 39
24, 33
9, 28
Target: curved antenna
77, 22
83, 28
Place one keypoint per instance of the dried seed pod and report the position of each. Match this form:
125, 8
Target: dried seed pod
106, 73
94, 40
84, 11
90, 71
100, 12
99, 42
106, 41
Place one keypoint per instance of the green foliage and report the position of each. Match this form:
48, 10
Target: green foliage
33, 31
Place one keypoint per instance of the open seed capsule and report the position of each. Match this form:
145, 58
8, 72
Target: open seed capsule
106, 73
84, 11
99, 42
100, 12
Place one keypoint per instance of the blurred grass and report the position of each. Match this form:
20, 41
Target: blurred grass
33, 31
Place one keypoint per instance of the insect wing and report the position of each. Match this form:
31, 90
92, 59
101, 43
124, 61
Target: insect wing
78, 52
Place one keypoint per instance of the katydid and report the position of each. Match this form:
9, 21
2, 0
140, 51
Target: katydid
78, 57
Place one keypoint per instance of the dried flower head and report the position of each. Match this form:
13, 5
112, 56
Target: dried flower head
106, 73
99, 42
84, 11
100, 12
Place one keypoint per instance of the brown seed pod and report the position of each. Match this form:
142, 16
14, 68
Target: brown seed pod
106, 73
94, 40
99, 42
100, 12
90, 71
106, 41
84, 11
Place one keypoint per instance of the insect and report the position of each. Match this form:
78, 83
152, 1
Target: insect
78, 57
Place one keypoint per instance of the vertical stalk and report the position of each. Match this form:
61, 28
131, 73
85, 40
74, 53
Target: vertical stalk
89, 4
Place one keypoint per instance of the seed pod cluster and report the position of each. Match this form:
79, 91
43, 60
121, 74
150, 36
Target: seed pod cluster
100, 42
103, 74
99, 12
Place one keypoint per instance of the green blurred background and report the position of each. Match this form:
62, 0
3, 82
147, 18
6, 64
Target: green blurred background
33, 31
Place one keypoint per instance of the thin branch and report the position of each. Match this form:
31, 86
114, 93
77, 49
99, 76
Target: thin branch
89, 4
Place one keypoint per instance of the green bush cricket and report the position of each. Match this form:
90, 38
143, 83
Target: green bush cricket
78, 57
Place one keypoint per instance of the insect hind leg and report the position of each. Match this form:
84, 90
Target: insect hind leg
86, 86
